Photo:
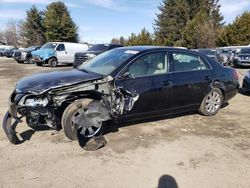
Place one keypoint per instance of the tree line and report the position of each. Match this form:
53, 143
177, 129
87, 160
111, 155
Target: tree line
192, 24
52, 24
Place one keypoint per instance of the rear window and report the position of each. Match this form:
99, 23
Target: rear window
188, 62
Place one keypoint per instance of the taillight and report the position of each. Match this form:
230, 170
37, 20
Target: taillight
235, 75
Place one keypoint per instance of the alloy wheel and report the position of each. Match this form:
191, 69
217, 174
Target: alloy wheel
213, 102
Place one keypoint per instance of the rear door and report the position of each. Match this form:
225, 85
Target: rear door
191, 78
151, 83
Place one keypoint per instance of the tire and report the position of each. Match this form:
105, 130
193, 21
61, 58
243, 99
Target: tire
39, 64
211, 103
52, 62
18, 61
29, 60
235, 65
70, 130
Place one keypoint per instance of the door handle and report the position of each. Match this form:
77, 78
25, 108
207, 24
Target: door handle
167, 84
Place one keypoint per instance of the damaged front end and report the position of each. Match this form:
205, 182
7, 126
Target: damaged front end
46, 108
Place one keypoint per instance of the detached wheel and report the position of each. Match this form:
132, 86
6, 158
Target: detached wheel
72, 121
211, 103
53, 62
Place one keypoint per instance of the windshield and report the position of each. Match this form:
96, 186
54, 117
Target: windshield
107, 62
98, 47
245, 51
49, 46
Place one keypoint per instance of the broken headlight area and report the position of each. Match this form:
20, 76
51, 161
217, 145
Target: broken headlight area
33, 101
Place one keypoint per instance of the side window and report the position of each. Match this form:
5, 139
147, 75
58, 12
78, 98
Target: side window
150, 64
188, 62
60, 47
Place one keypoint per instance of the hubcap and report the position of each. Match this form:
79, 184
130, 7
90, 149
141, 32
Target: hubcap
54, 63
87, 126
213, 102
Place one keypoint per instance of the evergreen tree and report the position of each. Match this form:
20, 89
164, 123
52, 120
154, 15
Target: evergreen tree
170, 21
238, 33
132, 40
199, 32
59, 24
144, 38
32, 28
174, 16
122, 41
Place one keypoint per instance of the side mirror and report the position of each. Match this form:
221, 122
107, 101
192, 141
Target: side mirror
128, 75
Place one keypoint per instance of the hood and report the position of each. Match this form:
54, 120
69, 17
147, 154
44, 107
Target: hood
39, 83
42, 52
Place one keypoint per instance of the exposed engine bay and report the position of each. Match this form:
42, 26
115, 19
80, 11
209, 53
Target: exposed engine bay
104, 100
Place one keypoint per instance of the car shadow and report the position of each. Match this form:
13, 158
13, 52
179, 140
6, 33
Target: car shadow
243, 92
115, 125
167, 181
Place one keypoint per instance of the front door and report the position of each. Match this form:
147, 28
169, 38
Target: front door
61, 53
150, 81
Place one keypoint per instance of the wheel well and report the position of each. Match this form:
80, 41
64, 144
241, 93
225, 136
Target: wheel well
51, 58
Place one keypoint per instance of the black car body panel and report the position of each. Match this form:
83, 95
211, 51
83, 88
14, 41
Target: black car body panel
42, 82
42, 98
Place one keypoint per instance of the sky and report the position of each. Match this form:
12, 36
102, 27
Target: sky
100, 20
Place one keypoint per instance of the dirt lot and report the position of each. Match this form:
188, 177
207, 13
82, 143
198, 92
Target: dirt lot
189, 150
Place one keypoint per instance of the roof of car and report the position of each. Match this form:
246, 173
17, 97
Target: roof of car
145, 48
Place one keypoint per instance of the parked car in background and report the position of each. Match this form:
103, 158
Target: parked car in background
24, 55
93, 51
1, 52
209, 52
242, 58
53, 53
246, 82
9, 52
224, 55
121, 84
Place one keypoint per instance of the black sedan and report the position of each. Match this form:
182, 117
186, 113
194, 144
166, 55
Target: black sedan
121, 84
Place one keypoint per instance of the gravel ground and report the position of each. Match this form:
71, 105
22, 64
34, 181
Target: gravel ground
182, 151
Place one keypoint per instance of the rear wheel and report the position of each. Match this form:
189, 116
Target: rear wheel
211, 103
72, 121
53, 62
